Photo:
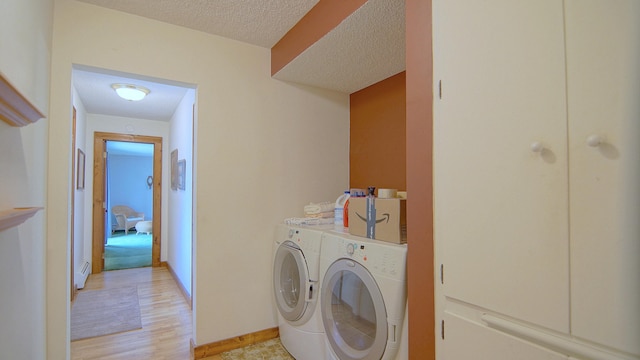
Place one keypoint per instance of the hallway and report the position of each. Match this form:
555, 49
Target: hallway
166, 319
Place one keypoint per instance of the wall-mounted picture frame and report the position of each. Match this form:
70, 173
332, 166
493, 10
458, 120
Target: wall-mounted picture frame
80, 169
182, 168
174, 169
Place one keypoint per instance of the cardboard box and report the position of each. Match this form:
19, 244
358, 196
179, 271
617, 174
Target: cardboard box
380, 219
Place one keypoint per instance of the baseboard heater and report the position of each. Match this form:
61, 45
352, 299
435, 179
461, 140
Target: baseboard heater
83, 274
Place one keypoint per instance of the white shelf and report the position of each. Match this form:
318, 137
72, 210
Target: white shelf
15, 109
14, 217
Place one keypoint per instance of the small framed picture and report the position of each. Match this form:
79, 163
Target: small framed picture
182, 168
80, 169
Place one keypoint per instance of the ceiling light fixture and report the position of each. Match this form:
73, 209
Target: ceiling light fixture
130, 92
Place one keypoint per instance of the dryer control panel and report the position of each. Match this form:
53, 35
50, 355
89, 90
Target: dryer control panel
380, 258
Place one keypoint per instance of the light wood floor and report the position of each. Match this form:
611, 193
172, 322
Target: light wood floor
166, 320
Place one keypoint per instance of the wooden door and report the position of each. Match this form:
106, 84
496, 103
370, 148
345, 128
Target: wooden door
98, 240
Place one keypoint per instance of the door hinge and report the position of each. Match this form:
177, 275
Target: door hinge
104, 154
442, 274
442, 329
440, 89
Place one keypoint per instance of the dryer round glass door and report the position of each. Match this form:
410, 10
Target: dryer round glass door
353, 312
290, 279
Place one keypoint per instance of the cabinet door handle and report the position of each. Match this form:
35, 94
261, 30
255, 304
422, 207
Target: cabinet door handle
594, 140
537, 147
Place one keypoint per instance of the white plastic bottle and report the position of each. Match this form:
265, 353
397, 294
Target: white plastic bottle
338, 212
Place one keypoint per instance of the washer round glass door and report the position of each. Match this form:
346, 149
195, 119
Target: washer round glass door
290, 277
353, 312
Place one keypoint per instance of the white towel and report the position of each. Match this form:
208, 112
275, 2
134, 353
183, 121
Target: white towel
308, 221
319, 207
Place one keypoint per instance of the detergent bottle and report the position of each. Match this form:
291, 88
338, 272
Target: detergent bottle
338, 211
345, 213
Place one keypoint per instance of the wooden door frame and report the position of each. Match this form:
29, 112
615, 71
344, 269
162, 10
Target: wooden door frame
99, 149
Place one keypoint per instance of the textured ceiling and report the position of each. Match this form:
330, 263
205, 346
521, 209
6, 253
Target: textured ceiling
367, 47
258, 22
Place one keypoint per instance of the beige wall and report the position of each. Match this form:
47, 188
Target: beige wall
263, 149
25, 44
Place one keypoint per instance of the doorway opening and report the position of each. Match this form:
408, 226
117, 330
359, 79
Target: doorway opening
120, 205
129, 204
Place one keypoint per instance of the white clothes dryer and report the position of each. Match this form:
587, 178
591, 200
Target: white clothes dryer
363, 297
296, 285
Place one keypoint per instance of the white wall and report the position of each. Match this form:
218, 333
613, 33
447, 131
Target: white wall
25, 41
128, 183
81, 196
180, 201
263, 149
22, 248
25, 44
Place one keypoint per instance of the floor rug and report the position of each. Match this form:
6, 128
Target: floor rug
268, 350
103, 312
127, 252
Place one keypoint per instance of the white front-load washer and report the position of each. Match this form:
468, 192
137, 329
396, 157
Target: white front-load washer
296, 285
363, 297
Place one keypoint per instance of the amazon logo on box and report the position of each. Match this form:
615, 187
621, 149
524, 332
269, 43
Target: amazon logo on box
380, 219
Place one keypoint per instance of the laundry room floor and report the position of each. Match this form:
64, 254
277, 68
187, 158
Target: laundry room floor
166, 323
270, 349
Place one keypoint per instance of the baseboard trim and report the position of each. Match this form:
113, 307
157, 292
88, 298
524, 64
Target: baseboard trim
183, 290
203, 351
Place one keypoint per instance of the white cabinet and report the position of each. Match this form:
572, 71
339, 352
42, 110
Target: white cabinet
603, 73
501, 210
533, 225
467, 340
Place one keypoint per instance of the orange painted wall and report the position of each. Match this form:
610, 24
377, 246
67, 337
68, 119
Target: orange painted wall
420, 267
377, 154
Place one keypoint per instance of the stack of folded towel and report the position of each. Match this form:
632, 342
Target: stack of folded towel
320, 210
314, 214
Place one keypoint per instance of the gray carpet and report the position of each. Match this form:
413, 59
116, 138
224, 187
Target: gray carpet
102, 312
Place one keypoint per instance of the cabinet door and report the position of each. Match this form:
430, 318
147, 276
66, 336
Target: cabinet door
501, 210
603, 64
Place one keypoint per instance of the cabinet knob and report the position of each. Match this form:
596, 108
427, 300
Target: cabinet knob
537, 147
594, 140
